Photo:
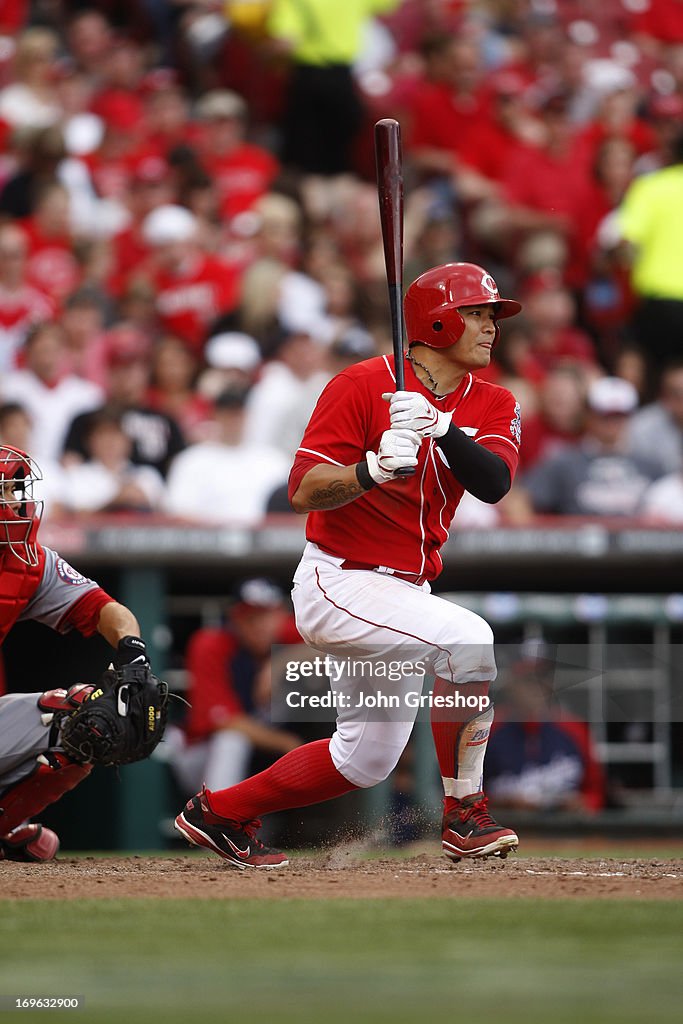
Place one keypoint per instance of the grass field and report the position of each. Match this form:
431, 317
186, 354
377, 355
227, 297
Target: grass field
509, 962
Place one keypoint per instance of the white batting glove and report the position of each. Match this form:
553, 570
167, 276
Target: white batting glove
397, 449
412, 411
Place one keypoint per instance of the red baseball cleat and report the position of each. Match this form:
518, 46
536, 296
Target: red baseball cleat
470, 831
29, 843
235, 841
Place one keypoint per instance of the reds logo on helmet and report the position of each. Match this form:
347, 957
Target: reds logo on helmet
490, 286
432, 301
19, 512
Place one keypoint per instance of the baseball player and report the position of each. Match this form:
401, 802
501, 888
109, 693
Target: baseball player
362, 588
35, 583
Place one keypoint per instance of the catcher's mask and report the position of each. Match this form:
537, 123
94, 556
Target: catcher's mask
19, 511
432, 301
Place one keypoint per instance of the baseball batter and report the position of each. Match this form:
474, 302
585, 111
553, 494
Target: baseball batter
362, 588
35, 583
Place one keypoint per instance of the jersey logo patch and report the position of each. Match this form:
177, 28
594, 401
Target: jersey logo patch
68, 574
516, 424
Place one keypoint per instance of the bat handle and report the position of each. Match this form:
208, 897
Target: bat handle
401, 386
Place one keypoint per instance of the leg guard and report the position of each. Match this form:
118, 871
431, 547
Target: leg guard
470, 739
53, 776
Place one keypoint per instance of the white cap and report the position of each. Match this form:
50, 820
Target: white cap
260, 593
604, 77
169, 224
612, 395
83, 133
233, 350
219, 103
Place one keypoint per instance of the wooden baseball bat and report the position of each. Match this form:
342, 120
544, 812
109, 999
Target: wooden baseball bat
390, 194
388, 160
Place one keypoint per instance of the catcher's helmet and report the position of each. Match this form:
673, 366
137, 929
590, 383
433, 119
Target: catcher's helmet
432, 301
19, 511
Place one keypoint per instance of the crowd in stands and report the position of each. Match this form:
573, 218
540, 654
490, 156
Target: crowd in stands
190, 244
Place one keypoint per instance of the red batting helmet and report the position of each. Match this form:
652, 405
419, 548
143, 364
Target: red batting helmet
19, 512
432, 301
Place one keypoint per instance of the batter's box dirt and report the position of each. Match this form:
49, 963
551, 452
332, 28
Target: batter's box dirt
342, 873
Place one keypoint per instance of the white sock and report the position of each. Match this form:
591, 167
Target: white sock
458, 788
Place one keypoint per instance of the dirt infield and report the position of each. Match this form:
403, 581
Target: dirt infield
343, 872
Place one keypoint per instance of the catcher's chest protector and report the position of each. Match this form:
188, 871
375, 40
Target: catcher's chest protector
18, 584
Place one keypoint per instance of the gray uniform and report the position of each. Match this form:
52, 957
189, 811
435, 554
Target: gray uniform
23, 732
23, 735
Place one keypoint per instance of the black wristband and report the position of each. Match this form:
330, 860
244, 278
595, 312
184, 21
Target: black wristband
363, 476
131, 651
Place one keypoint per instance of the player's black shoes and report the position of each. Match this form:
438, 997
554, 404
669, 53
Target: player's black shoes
235, 841
469, 831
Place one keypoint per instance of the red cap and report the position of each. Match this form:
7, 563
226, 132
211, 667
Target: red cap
125, 345
151, 169
158, 80
543, 280
119, 110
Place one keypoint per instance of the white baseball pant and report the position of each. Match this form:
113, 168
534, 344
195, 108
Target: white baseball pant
369, 615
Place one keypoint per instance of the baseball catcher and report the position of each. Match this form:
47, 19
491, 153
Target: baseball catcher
49, 741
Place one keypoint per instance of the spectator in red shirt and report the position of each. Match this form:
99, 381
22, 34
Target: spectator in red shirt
509, 133
122, 69
672, 63
617, 117
544, 187
167, 113
52, 265
665, 114
21, 303
540, 48
13, 15
113, 163
558, 420
242, 172
151, 185
447, 112
550, 312
658, 21
608, 299
229, 688
192, 288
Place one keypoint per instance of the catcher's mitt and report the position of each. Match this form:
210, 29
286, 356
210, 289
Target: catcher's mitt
121, 721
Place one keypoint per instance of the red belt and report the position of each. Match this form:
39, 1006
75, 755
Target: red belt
407, 576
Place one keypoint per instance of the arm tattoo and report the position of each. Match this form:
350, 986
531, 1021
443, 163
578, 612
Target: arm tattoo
335, 494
